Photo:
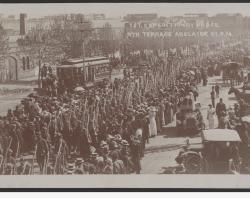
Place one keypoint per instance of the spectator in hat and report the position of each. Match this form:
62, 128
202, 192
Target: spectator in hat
211, 116
125, 156
118, 166
114, 149
152, 122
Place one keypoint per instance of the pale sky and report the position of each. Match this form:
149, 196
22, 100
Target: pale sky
121, 9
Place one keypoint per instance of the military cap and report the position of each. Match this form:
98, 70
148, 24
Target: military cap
113, 144
79, 161
92, 149
124, 143
103, 144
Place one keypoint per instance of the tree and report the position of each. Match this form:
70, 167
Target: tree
61, 40
71, 31
40, 45
110, 43
3, 42
3, 51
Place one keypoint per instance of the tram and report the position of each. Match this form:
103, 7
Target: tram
79, 72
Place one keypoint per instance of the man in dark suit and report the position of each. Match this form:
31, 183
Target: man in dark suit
220, 110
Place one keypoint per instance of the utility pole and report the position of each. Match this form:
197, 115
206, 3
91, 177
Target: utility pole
84, 27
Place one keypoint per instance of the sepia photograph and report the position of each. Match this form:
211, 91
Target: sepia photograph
124, 90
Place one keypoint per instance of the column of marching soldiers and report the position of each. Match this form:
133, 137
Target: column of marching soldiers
102, 130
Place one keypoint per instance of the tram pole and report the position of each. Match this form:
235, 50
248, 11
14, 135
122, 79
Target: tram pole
83, 58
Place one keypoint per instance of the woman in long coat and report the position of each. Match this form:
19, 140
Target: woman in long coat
168, 112
161, 112
211, 116
158, 119
152, 121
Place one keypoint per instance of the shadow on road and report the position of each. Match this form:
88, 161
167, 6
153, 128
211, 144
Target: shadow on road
220, 84
168, 170
232, 98
170, 132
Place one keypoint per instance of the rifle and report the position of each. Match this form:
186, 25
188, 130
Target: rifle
5, 158
1, 161
33, 161
47, 131
87, 129
57, 156
45, 165
18, 145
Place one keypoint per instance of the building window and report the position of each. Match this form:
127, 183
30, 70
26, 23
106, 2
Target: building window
24, 63
28, 62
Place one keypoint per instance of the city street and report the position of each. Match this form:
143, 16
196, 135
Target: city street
113, 89
162, 150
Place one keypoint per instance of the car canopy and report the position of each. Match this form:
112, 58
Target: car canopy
231, 65
220, 135
246, 119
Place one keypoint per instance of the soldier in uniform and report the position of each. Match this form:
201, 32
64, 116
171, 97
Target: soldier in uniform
42, 152
79, 169
92, 169
108, 167
136, 154
8, 166
125, 156
118, 164
62, 151
114, 149
15, 144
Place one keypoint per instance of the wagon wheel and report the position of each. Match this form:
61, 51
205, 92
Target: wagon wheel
193, 164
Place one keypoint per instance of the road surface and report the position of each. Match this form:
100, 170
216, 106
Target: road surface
162, 150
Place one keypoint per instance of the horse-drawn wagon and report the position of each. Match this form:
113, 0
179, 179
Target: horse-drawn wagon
231, 73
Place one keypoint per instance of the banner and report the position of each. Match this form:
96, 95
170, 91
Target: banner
165, 34
176, 32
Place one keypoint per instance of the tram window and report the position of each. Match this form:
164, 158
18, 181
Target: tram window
89, 73
93, 74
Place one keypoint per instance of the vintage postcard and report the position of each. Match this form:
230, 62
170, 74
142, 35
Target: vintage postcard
128, 95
